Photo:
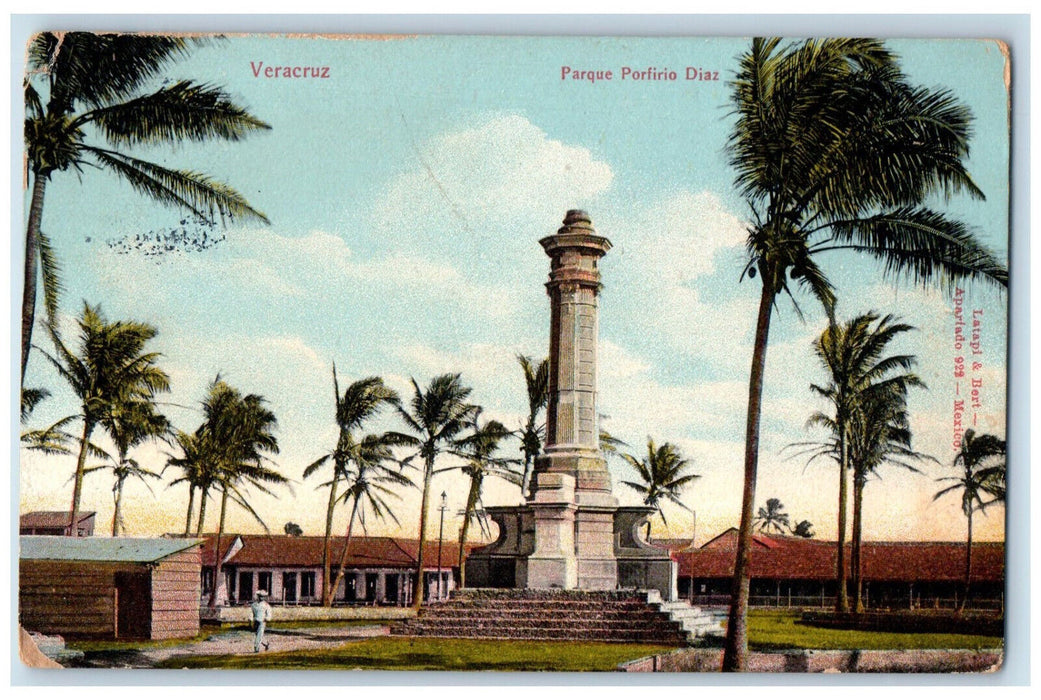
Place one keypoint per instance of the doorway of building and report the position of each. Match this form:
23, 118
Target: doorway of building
133, 605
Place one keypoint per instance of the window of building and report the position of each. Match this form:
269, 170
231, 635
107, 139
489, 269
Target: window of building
264, 581
207, 581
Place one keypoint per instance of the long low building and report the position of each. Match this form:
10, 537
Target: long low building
377, 570
796, 571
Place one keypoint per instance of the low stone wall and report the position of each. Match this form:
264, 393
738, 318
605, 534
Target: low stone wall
812, 661
241, 614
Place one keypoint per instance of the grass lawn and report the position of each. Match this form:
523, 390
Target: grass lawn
770, 630
402, 654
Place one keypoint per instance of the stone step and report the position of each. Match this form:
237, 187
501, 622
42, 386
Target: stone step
557, 633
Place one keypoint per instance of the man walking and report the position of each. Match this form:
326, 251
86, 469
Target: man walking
261, 614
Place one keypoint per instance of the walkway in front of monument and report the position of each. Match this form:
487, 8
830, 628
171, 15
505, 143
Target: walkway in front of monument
231, 642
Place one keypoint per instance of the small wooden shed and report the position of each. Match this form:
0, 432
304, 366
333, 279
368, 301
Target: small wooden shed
109, 588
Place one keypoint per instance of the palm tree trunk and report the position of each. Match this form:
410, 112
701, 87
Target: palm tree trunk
191, 507
32, 232
857, 552
842, 595
471, 506
735, 653
428, 472
202, 512
346, 547
81, 465
217, 567
526, 480
968, 564
327, 598
117, 513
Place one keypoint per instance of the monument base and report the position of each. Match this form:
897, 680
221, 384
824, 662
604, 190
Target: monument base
629, 562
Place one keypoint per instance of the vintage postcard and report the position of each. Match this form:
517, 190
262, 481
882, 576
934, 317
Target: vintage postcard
398, 352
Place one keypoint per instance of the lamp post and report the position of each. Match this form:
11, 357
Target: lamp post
693, 536
441, 539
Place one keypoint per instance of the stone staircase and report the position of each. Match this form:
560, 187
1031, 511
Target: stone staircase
556, 614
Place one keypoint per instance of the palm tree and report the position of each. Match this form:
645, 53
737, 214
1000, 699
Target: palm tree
79, 84
197, 466
437, 417
981, 461
360, 401
111, 368
239, 433
478, 448
536, 380
661, 477
879, 433
129, 424
834, 150
369, 482
773, 516
853, 354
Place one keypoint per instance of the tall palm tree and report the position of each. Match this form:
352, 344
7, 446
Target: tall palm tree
981, 460
360, 401
662, 475
879, 433
536, 380
129, 424
198, 471
81, 84
368, 482
436, 416
773, 516
478, 448
853, 355
240, 437
111, 367
834, 150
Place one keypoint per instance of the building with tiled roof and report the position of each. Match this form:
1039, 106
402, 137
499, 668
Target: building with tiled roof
377, 570
799, 571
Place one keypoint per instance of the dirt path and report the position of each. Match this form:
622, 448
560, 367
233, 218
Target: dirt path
232, 642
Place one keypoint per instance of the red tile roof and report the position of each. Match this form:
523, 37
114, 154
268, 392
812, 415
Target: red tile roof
283, 550
797, 558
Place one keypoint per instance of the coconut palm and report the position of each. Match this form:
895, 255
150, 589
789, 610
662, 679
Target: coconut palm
773, 516
853, 355
834, 150
662, 475
879, 434
369, 481
110, 368
981, 461
436, 416
129, 424
536, 380
239, 436
198, 471
478, 448
80, 85
360, 401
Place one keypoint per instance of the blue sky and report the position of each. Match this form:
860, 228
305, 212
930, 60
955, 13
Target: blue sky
407, 193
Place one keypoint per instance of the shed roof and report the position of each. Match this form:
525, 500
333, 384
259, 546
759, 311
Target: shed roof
117, 549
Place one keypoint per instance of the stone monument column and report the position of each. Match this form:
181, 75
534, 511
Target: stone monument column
572, 501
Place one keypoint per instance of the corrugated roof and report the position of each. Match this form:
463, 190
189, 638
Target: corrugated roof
119, 549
